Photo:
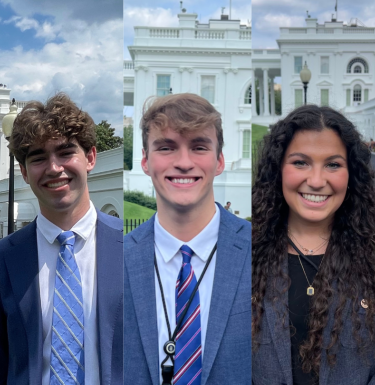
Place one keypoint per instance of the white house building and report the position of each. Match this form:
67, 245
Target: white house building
105, 181
212, 60
341, 58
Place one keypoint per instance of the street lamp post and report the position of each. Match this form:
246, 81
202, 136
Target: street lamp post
7, 125
305, 76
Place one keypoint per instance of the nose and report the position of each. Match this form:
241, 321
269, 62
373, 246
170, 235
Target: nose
54, 166
183, 160
316, 179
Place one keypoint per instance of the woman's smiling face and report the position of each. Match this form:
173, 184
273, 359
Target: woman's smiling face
315, 175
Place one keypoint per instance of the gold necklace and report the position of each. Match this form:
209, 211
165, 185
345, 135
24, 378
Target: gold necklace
306, 250
310, 289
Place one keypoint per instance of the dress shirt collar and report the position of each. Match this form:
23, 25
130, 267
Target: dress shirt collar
202, 244
82, 228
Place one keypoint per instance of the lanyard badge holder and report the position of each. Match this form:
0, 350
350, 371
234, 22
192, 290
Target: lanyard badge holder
169, 348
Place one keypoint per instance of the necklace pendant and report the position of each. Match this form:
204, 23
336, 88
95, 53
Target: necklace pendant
310, 291
311, 251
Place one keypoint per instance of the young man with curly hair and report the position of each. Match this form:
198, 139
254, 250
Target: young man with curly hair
61, 276
170, 332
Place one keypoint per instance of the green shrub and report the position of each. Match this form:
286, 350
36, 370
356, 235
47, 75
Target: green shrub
248, 219
140, 198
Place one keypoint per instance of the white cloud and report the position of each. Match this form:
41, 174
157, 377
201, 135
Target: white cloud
271, 23
87, 66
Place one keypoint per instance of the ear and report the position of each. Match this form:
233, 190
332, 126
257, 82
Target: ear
144, 162
220, 164
24, 173
91, 159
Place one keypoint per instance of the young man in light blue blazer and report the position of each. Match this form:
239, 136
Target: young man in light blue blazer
191, 240
61, 277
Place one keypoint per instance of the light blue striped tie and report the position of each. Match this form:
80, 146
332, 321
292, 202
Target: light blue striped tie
67, 353
188, 357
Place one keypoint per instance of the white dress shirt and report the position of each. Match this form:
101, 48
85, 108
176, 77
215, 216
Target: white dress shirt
169, 260
85, 255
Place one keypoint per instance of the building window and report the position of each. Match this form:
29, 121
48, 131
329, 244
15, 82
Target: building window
208, 88
351, 66
366, 94
357, 93
324, 65
297, 64
246, 144
248, 96
324, 97
297, 98
347, 98
163, 85
357, 69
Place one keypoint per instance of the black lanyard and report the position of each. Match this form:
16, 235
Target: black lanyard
170, 345
303, 256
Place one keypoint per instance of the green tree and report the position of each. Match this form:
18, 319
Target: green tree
106, 138
128, 147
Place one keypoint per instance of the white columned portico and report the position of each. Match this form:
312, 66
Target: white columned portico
261, 103
272, 96
253, 94
266, 92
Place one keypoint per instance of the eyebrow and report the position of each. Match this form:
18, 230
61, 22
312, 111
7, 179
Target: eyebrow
332, 157
41, 151
200, 139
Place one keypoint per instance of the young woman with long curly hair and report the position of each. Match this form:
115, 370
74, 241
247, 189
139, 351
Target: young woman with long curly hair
313, 279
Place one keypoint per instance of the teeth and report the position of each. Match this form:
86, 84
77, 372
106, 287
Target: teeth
185, 180
315, 198
58, 184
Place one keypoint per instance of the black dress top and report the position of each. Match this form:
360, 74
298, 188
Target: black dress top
299, 305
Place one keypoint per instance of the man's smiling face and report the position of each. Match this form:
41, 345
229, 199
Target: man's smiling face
183, 167
57, 174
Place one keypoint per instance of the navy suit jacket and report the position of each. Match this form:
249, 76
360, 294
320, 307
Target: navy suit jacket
21, 346
272, 362
227, 354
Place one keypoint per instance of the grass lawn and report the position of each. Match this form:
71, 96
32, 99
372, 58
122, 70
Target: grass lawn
134, 211
257, 133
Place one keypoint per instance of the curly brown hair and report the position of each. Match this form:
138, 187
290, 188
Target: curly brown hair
59, 117
181, 112
348, 269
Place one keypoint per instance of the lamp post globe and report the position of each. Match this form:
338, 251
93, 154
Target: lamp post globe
9, 119
305, 76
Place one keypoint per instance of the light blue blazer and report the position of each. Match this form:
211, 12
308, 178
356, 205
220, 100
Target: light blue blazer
272, 362
21, 335
227, 355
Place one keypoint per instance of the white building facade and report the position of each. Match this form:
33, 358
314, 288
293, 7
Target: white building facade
212, 60
105, 181
341, 59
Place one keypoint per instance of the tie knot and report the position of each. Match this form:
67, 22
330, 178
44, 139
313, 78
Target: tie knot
187, 253
66, 238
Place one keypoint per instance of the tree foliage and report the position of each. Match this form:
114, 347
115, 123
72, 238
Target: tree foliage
106, 138
128, 147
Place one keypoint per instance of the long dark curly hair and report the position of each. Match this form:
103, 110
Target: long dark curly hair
348, 269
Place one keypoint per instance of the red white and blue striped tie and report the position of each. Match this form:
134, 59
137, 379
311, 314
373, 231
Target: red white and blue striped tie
188, 357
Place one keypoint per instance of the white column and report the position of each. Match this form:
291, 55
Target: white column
272, 97
266, 92
253, 94
261, 103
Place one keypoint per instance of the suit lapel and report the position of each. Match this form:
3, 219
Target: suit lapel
139, 260
230, 259
109, 281
280, 333
22, 265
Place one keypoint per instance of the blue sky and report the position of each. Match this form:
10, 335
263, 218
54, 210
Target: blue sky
270, 15
71, 46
